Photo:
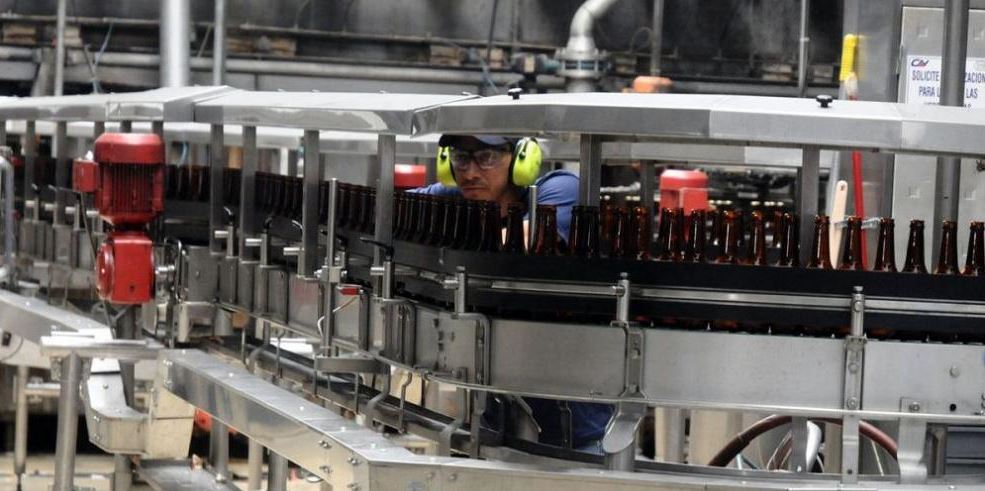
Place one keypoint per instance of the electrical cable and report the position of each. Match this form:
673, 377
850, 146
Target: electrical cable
205, 42
92, 241
492, 30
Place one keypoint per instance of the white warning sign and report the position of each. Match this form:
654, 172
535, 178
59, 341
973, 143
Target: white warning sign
923, 81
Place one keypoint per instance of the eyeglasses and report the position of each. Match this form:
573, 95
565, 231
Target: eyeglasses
486, 159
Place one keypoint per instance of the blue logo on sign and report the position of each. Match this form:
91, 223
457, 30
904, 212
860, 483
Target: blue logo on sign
919, 62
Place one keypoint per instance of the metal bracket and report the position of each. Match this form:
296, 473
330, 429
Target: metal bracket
912, 442
460, 284
348, 364
852, 398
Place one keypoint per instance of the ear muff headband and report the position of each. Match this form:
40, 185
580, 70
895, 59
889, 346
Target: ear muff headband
524, 166
444, 171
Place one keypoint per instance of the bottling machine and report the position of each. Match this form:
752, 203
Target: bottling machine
302, 307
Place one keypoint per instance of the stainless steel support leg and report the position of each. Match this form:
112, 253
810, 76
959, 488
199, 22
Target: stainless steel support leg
670, 434
308, 260
254, 465
20, 424
589, 170
276, 473
63, 172
808, 181
122, 474
68, 423
219, 450
387, 155
216, 164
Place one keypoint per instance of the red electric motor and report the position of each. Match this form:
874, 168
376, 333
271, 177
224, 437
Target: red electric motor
127, 178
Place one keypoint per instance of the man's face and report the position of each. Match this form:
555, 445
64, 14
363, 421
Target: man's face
482, 172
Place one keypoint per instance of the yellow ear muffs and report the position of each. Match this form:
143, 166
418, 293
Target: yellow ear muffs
446, 175
527, 158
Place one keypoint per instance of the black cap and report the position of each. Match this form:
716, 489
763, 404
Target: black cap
489, 140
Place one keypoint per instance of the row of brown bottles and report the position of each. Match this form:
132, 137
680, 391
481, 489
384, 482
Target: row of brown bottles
355, 207
448, 222
191, 183
885, 261
624, 232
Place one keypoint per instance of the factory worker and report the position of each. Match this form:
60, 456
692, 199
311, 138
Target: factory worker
496, 168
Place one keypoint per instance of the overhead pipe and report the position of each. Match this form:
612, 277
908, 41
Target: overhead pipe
656, 37
219, 44
60, 47
805, 41
333, 70
948, 178
175, 35
581, 59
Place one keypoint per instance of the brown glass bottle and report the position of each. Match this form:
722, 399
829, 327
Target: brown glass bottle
450, 222
886, 249
790, 237
730, 244
546, 242
342, 204
584, 235
717, 227
851, 248
820, 247
369, 210
975, 260
399, 215
474, 238
639, 231
777, 229
947, 259
620, 233
694, 249
491, 232
914, 262
354, 209
756, 254
663, 234
419, 216
462, 214
432, 233
607, 228
671, 235
515, 243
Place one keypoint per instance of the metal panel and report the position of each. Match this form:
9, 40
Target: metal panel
163, 104
303, 305
573, 359
745, 120
381, 113
936, 376
756, 370
914, 176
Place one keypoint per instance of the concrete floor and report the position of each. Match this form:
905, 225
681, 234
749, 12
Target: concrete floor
95, 472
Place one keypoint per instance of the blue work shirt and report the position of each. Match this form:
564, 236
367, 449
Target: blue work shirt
588, 420
558, 188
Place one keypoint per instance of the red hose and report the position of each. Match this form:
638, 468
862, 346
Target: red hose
736, 445
859, 199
